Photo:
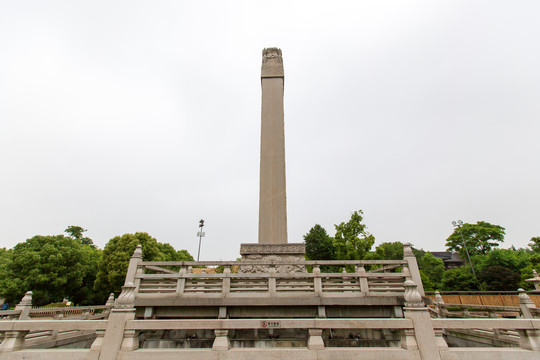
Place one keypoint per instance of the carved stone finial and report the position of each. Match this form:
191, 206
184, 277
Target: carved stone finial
138, 252
126, 300
407, 250
412, 296
523, 297
272, 63
27, 299
110, 300
438, 298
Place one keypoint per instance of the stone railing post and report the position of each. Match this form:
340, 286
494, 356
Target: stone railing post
221, 342
315, 341
438, 302
136, 258
528, 339
412, 264
317, 281
181, 283
362, 279
109, 305
116, 336
424, 335
14, 340
525, 304
226, 285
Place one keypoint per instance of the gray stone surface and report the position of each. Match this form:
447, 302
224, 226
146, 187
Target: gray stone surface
272, 194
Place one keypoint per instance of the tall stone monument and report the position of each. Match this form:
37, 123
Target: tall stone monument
272, 245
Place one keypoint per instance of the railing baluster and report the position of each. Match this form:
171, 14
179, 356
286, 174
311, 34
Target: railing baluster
226, 284
317, 281
181, 283
362, 279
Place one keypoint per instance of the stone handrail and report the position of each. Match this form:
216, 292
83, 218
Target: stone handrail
9, 313
44, 325
184, 283
229, 324
487, 324
483, 308
262, 262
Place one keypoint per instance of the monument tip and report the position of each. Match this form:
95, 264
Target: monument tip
272, 62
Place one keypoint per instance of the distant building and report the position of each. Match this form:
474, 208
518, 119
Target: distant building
450, 259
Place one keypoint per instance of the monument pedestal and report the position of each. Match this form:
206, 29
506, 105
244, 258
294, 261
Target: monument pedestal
287, 253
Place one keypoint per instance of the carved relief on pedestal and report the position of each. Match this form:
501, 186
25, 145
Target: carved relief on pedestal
271, 249
289, 267
272, 65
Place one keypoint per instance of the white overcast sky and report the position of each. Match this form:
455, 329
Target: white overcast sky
126, 116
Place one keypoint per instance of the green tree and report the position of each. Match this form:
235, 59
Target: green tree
76, 232
171, 254
459, 278
387, 251
426, 282
117, 252
499, 278
53, 267
319, 245
535, 244
512, 259
479, 238
433, 268
352, 241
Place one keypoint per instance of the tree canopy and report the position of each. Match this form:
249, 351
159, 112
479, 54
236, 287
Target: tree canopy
118, 251
352, 241
53, 267
535, 244
479, 238
57, 266
319, 245
76, 232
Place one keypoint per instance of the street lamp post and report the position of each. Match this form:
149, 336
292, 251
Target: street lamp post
458, 224
200, 234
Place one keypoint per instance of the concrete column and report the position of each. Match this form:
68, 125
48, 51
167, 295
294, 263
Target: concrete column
272, 195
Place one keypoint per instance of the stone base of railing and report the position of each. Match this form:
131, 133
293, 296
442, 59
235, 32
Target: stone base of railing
291, 254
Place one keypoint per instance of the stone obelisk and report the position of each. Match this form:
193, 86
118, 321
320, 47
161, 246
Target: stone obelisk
272, 245
272, 192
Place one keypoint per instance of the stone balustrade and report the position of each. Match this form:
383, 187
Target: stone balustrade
155, 278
